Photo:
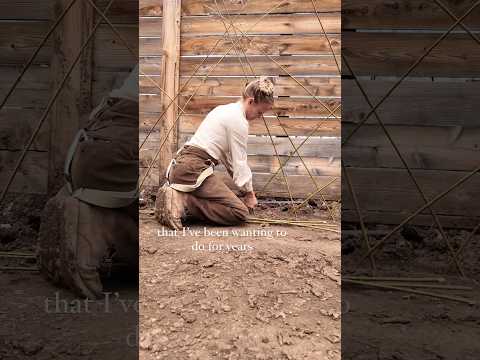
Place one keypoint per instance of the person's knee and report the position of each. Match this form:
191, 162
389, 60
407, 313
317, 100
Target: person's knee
240, 213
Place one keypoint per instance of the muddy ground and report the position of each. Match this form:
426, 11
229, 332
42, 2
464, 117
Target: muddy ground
278, 300
274, 294
391, 325
41, 321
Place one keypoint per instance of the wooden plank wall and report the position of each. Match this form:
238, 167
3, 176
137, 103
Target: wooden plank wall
292, 36
20, 32
432, 116
23, 24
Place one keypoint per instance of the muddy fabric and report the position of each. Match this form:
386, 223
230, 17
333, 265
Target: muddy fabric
108, 159
213, 201
76, 239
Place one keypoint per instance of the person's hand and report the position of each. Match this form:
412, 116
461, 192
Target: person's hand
250, 200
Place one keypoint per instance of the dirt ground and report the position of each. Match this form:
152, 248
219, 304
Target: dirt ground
274, 294
279, 299
41, 321
391, 325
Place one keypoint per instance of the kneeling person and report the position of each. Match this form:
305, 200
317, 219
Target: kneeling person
192, 187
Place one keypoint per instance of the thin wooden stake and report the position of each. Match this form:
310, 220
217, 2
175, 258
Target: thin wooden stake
413, 291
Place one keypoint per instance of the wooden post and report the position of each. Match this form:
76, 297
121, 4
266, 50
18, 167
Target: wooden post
172, 11
74, 100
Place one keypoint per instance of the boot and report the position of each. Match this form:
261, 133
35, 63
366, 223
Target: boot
170, 207
74, 240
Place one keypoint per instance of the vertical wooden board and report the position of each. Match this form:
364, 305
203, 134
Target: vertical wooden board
170, 82
75, 99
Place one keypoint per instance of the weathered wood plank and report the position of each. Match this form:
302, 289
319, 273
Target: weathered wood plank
37, 77
327, 148
313, 147
422, 103
393, 53
269, 164
27, 98
19, 39
272, 24
232, 86
204, 7
392, 190
434, 158
32, 91
293, 126
395, 218
295, 65
442, 148
282, 106
121, 11
397, 14
17, 125
32, 175
231, 66
170, 82
110, 51
447, 137
270, 44
74, 101
300, 185
25, 9
149, 46
299, 44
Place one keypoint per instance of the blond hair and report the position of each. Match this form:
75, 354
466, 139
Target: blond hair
261, 90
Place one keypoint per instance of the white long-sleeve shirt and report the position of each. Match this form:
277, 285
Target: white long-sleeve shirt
223, 134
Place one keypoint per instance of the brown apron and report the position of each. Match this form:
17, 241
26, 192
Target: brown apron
212, 201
